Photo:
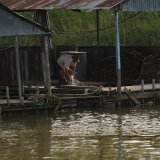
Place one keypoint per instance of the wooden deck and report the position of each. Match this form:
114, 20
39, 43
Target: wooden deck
136, 88
71, 96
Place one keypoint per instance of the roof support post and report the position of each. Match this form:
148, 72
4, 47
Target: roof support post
18, 71
47, 66
118, 57
42, 17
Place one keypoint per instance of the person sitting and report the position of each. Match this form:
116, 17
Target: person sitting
67, 64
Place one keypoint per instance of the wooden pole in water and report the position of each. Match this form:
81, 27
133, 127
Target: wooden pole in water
154, 88
101, 101
142, 85
109, 90
18, 71
153, 84
23, 89
37, 91
142, 89
37, 88
7, 94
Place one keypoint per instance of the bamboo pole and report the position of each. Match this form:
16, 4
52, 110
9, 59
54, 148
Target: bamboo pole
18, 71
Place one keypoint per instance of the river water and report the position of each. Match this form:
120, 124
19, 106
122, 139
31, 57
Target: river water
124, 133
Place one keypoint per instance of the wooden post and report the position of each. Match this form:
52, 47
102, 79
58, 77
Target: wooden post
142, 85
26, 67
142, 89
11, 64
37, 92
101, 101
7, 94
37, 88
153, 84
44, 70
118, 103
0, 111
118, 58
154, 88
18, 72
23, 92
23, 89
109, 90
47, 67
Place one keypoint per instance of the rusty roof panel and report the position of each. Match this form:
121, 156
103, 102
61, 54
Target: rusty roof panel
20, 5
109, 3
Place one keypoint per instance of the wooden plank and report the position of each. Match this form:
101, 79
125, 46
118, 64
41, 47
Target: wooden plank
129, 94
136, 88
69, 104
12, 101
140, 95
78, 87
24, 108
71, 95
57, 90
59, 105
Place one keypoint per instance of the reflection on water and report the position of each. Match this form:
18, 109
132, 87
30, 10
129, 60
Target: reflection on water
125, 133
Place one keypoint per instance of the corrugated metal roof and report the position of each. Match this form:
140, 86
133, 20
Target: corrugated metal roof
20, 5
141, 5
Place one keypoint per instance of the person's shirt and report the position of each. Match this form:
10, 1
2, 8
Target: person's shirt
65, 61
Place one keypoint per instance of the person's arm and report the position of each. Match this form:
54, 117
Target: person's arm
70, 71
67, 71
74, 68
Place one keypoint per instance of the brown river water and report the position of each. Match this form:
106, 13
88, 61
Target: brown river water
124, 133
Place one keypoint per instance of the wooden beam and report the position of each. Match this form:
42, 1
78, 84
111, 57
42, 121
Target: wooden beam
133, 98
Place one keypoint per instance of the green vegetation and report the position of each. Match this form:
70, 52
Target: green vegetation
79, 28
